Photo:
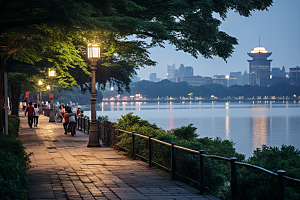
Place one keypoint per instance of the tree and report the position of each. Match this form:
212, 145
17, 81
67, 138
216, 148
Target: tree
35, 30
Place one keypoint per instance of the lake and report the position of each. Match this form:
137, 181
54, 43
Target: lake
248, 124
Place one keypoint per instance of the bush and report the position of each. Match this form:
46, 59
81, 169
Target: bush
186, 132
13, 126
103, 118
14, 163
255, 184
217, 174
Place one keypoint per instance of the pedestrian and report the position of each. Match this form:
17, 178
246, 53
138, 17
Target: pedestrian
24, 105
78, 112
30, 111
36, 115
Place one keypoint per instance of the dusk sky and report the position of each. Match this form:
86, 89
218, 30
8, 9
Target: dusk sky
279, 32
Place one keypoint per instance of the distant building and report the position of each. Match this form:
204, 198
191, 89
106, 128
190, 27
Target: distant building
235, 78
197, 80
276, 71
135, 79
189, 71
221, 79
295, 76
170, 70
153, 78
177, 75
181, 71
259, 67
245, 78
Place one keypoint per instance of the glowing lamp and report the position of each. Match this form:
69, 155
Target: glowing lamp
51, 73
93, 53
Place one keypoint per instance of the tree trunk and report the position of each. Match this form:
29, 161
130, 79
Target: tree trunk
2, 95
15, 97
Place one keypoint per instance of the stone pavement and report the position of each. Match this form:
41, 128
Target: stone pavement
64, 168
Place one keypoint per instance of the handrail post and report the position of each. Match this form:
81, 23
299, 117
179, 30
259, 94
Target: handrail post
84, 124
150, 150
282, 192
133, 145
173, 168
88, 126
78, 123
201, 171
233, 178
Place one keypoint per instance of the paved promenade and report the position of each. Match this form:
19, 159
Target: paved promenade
64, 168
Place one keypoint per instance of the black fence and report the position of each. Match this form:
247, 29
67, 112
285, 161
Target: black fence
200, 179
109, 137
106, 130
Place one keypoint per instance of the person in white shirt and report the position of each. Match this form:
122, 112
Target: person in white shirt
35, 115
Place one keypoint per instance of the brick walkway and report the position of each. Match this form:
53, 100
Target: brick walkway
64, 168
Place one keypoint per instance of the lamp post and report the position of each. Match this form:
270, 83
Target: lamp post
93, 53
51, 74
40, 99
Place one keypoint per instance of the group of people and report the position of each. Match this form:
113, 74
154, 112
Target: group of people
66, 112
68, 116
33, 114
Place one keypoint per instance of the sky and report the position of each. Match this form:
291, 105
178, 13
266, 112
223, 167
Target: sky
278, 30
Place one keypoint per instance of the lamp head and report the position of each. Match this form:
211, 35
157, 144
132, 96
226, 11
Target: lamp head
51, 73
93, 53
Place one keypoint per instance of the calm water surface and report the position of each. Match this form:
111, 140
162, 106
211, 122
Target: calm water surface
248, 124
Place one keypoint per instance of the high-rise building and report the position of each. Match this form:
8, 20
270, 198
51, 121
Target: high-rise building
189, 71
259, 67
152, 77
170, 70
295, 76
276, 71
135, 79
235, 78
245, 78
181, 70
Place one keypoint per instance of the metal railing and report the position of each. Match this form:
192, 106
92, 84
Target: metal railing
83, 124
109, 136
201, 179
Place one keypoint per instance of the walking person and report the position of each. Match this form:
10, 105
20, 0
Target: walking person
24, 106
30, 111
36, 115
78, 112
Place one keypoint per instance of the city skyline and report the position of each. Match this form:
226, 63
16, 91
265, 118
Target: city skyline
276, 28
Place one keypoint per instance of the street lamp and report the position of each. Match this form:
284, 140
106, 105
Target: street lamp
40, 99
51, 74
93, 54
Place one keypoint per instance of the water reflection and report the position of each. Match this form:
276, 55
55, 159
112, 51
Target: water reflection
259, 131
227, 131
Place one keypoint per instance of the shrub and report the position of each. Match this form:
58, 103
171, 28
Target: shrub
254, 184
13, 126
103, 118
186, 132
217, 174
14, 163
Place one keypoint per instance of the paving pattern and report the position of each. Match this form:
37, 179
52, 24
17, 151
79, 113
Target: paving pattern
63, 167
